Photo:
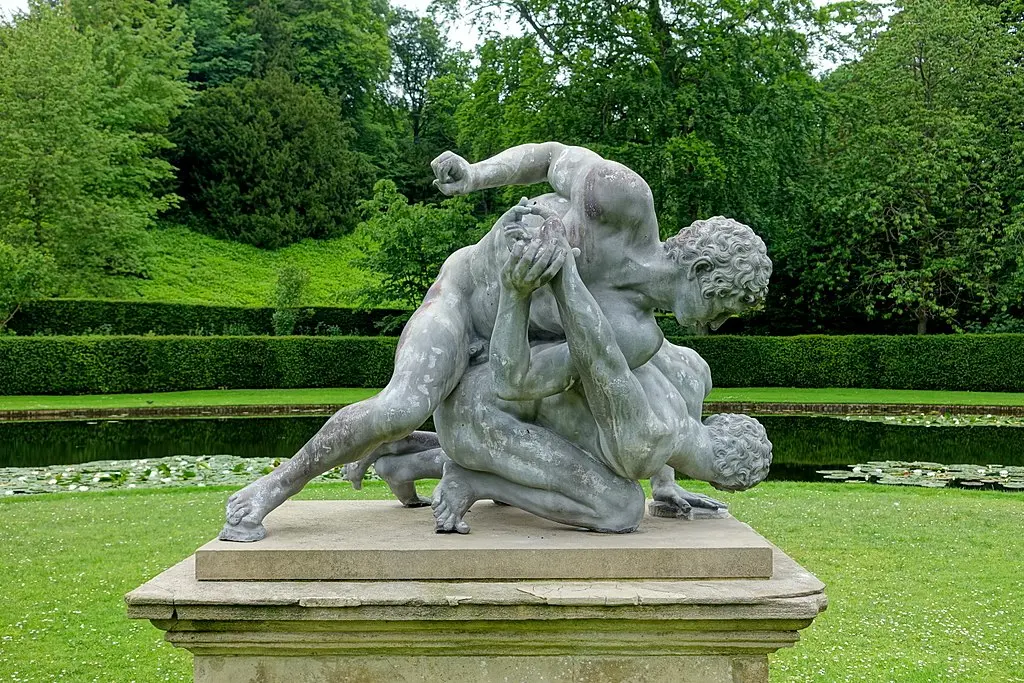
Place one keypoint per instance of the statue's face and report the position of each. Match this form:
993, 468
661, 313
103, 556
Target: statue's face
692, 307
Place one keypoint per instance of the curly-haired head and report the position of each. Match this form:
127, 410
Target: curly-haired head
742, 451
726, 255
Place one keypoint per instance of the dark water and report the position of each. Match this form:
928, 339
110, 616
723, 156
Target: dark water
802, 444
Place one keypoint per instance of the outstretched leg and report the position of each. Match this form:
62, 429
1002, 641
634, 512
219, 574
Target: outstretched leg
432, 355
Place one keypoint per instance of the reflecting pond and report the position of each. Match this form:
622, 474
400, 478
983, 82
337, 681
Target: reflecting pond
803, 445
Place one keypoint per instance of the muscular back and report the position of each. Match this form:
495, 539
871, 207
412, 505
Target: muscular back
675, 381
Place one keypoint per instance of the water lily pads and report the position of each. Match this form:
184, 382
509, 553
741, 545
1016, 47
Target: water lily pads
149, 473
931, 475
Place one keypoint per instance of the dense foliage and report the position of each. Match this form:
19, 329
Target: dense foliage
86, 95
406, 244
111, 365
98, 365
876, 149
269, 162
110, 317
920, 195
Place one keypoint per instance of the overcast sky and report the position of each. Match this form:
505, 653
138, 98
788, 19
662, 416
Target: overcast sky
8, 6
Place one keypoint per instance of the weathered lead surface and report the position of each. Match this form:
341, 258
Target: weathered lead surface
332, 540
579, 273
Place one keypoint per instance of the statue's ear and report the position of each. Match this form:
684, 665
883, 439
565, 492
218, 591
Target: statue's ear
700, 267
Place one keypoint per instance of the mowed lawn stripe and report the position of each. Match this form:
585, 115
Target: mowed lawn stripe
342, 396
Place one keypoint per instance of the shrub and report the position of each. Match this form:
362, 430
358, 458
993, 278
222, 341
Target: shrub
93, 316
102, 365
269, 162
69, 365
406, 244
963, 362
291, 285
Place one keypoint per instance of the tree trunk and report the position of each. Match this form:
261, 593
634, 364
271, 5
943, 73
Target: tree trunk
922, 321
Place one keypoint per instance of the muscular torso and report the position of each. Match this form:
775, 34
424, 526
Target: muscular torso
607, 264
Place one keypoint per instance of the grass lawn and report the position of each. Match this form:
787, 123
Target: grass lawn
177, 399
241, 397
924, 585
791, 395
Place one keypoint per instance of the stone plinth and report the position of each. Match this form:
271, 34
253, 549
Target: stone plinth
378, 540
622, 629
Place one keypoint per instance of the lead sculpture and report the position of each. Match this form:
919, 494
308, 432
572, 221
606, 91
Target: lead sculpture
538, 355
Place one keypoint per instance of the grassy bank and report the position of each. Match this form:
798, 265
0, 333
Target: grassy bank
923, 585
190, 267
252, 397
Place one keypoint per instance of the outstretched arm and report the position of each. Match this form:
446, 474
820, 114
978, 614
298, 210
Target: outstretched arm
675, 500
554, 162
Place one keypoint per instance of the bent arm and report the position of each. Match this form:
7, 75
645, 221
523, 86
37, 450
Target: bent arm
554, 162
522, 373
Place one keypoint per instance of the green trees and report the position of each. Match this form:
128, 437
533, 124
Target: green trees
712, 103
225, 46
269, 161
405, 244
428, 82
82, 109
281, 143
889, 191
923, 178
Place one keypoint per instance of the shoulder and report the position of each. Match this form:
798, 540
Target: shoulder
686, 365
612, 191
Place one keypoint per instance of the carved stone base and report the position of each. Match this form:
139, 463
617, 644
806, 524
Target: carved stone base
706, 631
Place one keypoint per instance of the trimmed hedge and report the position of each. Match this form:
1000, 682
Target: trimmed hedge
94, 316
110, 365
964, 362
74, 365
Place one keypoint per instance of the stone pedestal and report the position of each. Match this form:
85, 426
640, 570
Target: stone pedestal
660, 611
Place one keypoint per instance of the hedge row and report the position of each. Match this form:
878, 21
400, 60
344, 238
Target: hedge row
109, 365
965, 362
56, 317
70, 365
91, 316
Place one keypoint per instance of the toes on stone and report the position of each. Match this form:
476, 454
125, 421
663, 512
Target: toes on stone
242, 533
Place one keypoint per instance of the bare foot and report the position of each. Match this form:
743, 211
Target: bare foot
247, 508
452, 499
355, 472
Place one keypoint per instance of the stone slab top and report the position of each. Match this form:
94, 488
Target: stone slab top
791, 593
382, 541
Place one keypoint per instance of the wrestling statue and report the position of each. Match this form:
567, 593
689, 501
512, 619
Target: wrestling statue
710, 271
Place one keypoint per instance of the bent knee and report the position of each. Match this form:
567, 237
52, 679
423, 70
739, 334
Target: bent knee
386, 467
624, 511
398, 417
